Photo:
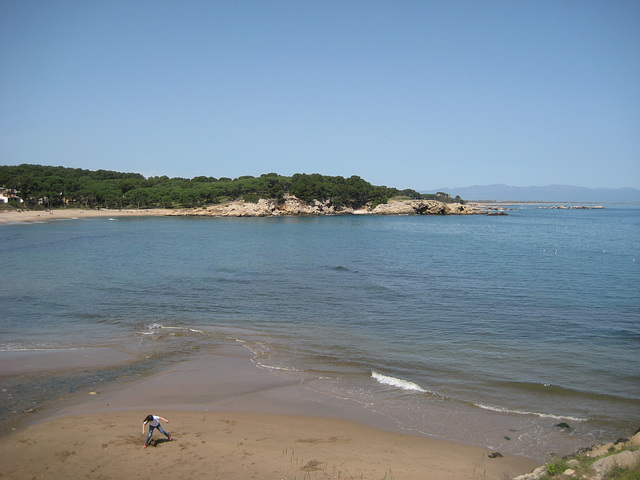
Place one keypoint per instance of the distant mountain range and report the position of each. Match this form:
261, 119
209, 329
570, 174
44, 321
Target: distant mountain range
550, 193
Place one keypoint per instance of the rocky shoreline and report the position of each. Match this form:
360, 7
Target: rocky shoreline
598, 462
293, 206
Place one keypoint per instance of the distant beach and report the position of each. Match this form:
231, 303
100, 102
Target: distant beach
17, 216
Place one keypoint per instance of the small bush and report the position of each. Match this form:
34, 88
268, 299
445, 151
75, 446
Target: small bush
557, 467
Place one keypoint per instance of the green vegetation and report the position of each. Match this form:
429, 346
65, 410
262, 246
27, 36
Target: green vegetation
54, 187
581, 464
557, 467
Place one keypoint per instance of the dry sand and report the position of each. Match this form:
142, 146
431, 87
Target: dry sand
70, 213
239, 445
230, 420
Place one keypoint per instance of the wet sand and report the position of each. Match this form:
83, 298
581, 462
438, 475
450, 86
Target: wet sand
230, 419
18, 362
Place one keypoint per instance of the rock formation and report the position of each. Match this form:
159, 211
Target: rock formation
423, 207
291, 205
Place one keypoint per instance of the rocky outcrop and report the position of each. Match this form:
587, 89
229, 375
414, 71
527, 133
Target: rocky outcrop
624, 454
460, 209
291, 205
423, 207
605, 465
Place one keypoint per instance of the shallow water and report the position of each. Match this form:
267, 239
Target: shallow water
484, 329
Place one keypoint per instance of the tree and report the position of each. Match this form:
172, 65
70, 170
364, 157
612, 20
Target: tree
59, 186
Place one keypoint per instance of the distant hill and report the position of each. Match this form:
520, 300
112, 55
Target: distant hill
550, 193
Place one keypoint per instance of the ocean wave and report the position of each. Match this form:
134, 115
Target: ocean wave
584, 394
261, 354
398, 383
4, 348
274, 367
525, 412
35, 347
154, 328
340, 268
258, 349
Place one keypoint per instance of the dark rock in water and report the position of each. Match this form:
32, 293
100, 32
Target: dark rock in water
562, 425
621, 440
495, 455
507, 438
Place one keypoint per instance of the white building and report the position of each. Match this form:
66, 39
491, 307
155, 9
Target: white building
6, 197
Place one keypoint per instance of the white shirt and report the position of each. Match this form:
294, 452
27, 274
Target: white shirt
155, 422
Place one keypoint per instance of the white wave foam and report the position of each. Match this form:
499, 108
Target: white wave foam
9, 348
158, 326
35, 346
397, 382
525, 412
274, 367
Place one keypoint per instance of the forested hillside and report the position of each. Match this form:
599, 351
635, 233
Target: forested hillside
54, 187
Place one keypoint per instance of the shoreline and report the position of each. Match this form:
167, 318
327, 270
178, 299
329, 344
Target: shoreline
239, 208
245, 209
35, 216
234, 420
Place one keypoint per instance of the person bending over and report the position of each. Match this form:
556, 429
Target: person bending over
154, 422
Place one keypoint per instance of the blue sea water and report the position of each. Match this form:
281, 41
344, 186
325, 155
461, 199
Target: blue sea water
478, 328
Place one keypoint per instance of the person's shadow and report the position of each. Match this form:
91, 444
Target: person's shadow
155, 442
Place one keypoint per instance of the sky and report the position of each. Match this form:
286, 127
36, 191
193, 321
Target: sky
408, 94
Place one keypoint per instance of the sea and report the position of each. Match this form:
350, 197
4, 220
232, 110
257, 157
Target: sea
519, 332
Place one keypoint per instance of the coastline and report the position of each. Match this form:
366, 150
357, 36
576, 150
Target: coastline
263, 208
34, 216
231, 419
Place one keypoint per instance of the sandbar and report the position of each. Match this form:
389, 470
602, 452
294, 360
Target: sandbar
19, 362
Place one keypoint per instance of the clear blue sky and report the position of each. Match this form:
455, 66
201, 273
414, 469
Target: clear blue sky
411, 94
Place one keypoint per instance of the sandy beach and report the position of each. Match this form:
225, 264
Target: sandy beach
7, 217
238, 445
228, 419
